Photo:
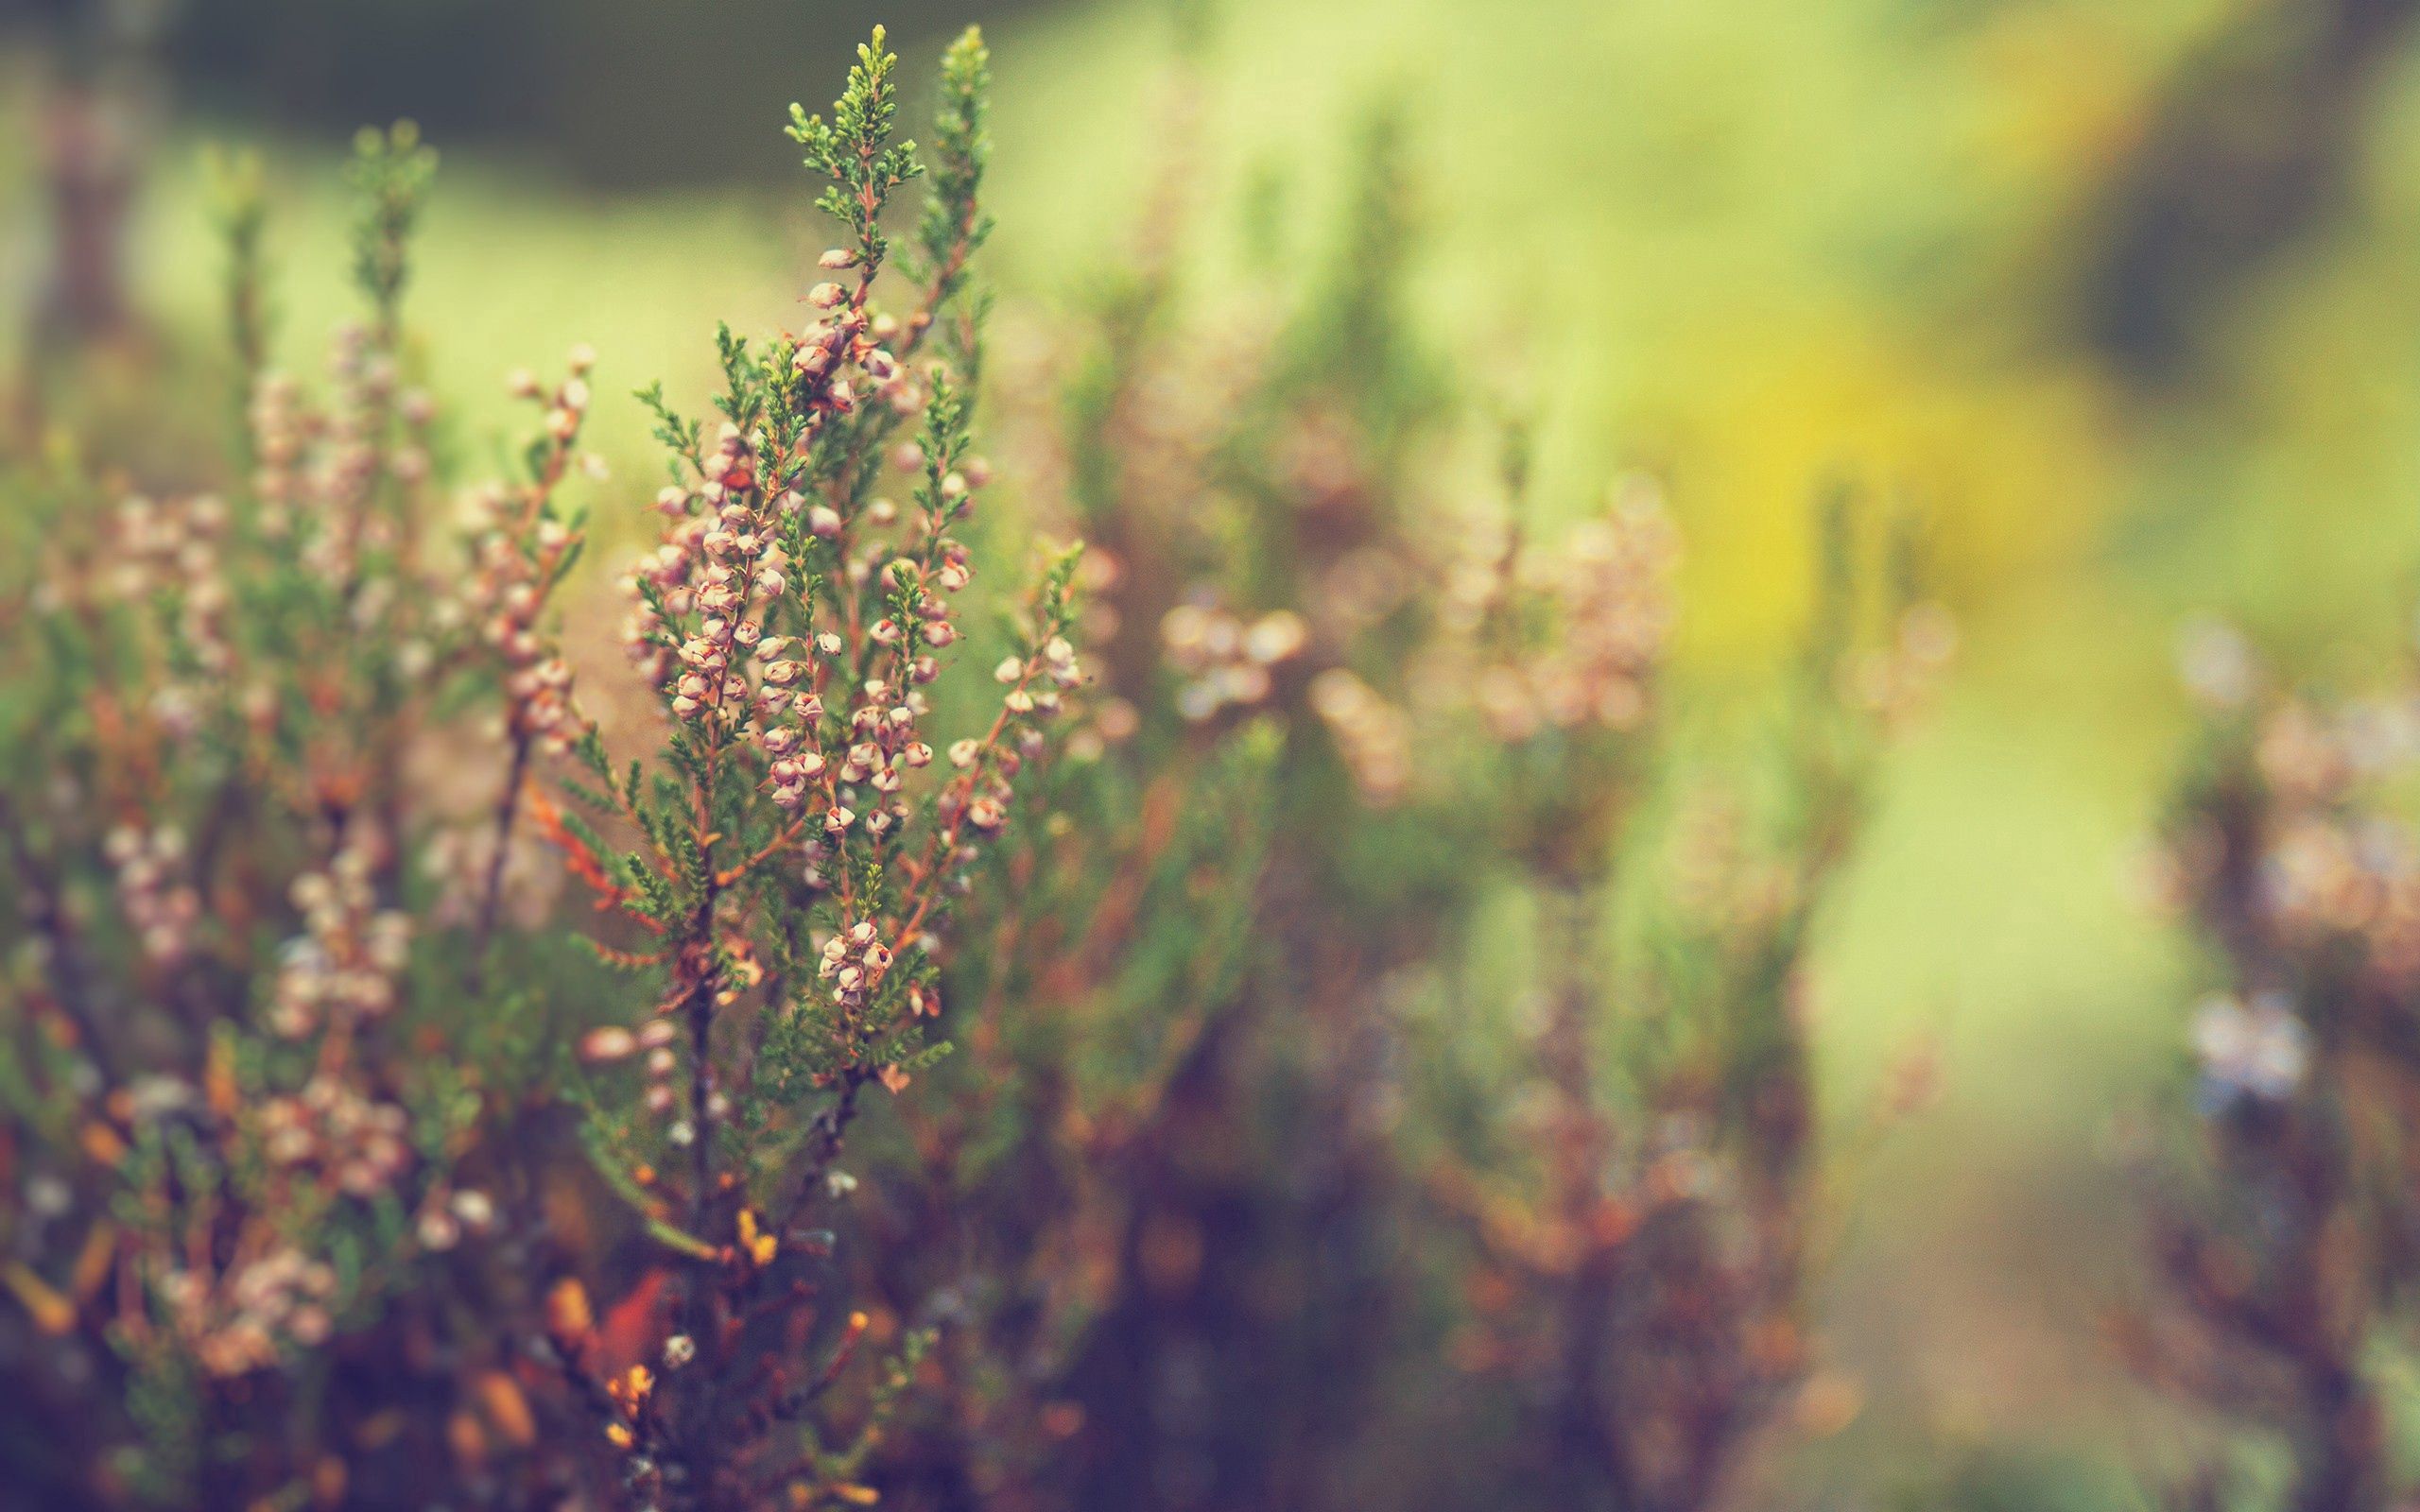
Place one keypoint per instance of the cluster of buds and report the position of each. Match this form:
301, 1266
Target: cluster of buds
1891, 680
2257, 1049
2333, 874
2329, 877
567, 406
788, 737
174, 551
1561, 639
662, 576
357, 452
725, 557
1608, 595
538, 687
852, 959
844, 338
1225, 663
1718, 879
883, 748
518, 551
332, 1128
344, 964
282, 429
247, 1317
444, 1220
654, 1039
1373, 736
1035, 686
1057, 664
980, 799
160, 903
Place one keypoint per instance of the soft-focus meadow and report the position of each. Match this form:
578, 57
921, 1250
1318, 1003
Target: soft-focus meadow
2118, 299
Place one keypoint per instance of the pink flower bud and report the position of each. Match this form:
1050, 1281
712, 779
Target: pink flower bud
613, 1042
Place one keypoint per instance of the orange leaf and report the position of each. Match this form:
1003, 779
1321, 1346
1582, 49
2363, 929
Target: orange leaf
52, 1312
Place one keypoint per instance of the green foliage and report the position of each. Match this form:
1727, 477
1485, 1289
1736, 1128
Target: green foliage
239, 213
855, 151
955, 223
389, 174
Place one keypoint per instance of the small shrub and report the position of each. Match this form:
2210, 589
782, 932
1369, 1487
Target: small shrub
2281, 1234
244, 1096
802, 1072
792, 857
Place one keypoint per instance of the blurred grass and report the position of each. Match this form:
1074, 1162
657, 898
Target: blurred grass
1753, 245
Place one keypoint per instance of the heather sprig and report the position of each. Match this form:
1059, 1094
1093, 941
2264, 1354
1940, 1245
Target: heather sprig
389, 174
790, 860
525, 544
954, 225
239, 209
855, 151
1640, 1209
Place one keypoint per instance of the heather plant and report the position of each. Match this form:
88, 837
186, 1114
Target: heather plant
1178, 1217
1090, 1198
1223, 1139
790, 864
243, 1095
2283, 1226
961, 1093
1641, 1214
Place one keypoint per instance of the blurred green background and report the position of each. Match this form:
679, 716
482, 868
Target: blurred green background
2118, 294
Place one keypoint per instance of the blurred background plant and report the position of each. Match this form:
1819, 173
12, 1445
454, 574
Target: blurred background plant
2114, 300
248, 1079
2284, 1262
